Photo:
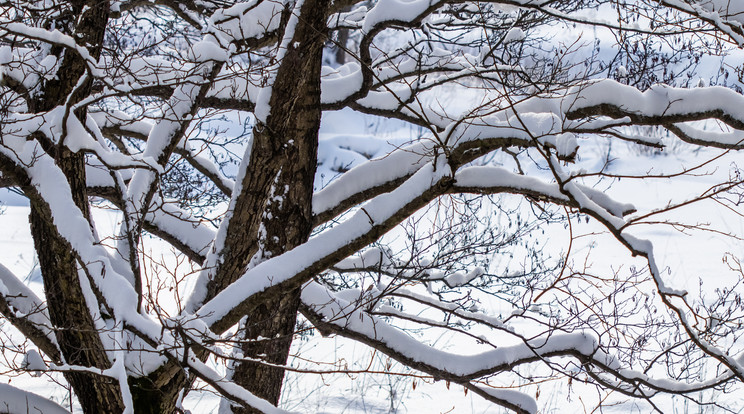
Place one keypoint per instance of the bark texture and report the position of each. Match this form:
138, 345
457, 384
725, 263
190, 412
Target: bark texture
274, 211
273, 214
75, 329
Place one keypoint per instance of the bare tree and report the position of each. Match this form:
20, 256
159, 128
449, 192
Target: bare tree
114, 104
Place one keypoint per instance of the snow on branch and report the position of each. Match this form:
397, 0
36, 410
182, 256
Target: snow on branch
725, 15
54, 37
333, 314
476, 90
660, 105
27, 312
326, 248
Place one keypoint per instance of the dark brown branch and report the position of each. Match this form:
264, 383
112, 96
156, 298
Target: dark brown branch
30, 330
668, 121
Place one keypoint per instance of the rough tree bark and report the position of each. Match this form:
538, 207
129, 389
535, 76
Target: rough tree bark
273, 213
75, 329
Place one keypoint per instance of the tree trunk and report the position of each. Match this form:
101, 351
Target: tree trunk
273, 213
70, 314
277, 320
75, 329
157, 392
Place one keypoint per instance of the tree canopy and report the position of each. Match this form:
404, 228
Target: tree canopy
227, 130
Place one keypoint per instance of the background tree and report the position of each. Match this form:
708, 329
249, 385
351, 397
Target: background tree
199, 122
